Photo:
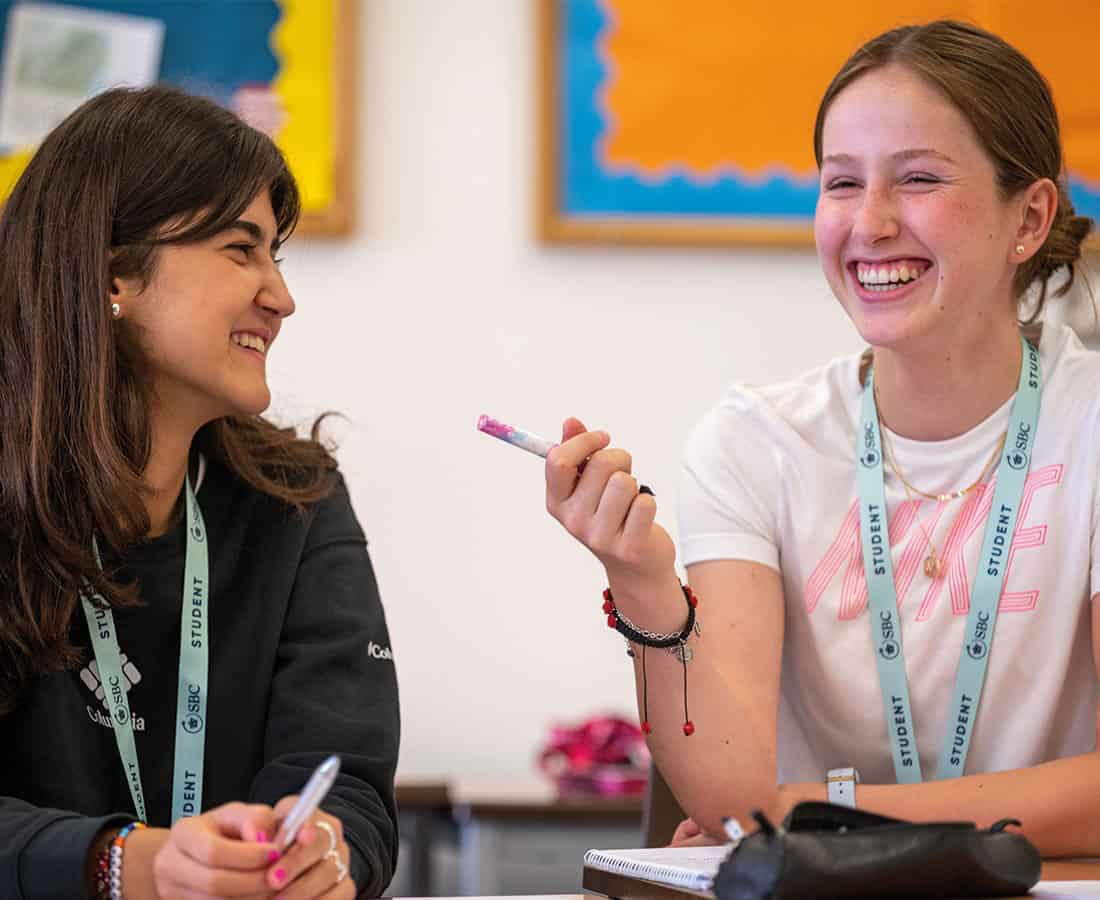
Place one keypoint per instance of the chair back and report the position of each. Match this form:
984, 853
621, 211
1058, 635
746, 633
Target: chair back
661, 812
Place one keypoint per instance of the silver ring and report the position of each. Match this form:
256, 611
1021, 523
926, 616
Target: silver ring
341, 868
331, 853
331, 832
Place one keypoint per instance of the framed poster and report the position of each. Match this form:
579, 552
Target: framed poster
287, 67
692, 122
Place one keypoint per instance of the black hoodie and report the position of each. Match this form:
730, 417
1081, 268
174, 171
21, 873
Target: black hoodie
300, 667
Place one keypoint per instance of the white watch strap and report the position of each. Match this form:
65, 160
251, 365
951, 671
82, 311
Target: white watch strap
842, 786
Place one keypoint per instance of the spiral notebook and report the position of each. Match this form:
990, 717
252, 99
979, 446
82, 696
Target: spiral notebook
691, 868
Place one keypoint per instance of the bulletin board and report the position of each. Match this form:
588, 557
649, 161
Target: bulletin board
692, 122
288, 67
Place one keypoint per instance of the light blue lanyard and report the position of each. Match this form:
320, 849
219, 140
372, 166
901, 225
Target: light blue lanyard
992, 565
191, 701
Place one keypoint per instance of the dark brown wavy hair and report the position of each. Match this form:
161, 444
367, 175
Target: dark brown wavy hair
127, 172
1010, 107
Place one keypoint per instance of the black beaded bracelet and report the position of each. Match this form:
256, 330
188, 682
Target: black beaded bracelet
677, 642
632, 632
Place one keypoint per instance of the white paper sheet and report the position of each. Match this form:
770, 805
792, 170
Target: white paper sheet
1057, 890
56, 57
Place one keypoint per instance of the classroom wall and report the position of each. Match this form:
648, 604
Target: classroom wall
444, 306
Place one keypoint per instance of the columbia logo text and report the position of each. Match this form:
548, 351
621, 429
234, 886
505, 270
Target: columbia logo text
118, 688
378, 651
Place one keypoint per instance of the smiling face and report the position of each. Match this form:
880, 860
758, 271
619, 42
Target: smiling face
913, 235
208, 316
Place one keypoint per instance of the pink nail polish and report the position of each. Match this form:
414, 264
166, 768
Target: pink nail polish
280, 876
273, 855
261, 836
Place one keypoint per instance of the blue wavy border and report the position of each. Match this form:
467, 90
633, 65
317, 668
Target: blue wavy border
588, 189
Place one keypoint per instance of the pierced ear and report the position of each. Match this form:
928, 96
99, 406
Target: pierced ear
1039, 205
123, 289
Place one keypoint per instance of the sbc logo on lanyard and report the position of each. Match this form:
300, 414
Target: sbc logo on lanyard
198, 532
192, 722
889, 647
869, 457
978, 645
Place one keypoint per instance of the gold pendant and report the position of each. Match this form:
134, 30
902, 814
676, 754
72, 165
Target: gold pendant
933, 566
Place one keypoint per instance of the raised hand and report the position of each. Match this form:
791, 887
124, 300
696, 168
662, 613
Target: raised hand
591, 491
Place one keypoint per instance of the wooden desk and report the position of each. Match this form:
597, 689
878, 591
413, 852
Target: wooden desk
527, 798
624, 887
497, 819
423, 803
504, 825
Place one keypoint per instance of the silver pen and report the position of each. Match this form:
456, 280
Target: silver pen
308, 801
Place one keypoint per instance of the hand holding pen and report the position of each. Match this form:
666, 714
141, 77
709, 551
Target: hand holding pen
315, 855
591, 491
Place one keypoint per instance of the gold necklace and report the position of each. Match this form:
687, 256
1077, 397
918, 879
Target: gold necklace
933, 564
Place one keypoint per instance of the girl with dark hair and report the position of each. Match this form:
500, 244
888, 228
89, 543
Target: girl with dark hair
190, 621
896, 556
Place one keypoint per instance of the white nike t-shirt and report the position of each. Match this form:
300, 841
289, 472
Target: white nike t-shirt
770, 476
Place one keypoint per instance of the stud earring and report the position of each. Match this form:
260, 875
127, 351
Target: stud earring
116, 310
1020, 249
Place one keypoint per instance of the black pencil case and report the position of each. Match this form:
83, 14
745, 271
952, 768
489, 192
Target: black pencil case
824, 851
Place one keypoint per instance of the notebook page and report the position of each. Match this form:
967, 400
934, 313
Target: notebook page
692, 868
1063, 890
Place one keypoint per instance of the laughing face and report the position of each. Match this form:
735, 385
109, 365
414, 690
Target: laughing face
913, 235
208, 316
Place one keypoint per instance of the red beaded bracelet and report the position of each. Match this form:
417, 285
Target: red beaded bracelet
676, 643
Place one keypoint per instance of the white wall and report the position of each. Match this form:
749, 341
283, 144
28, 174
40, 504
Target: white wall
444, 306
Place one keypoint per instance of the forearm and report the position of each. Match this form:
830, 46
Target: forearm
730, 722
727, 767
1055, 801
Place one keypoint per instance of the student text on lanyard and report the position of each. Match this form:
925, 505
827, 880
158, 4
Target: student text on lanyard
992, 564
191, 700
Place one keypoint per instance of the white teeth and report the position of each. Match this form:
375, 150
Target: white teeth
870, 276
252, 341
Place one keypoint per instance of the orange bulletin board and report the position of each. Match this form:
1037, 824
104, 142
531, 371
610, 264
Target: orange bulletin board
692, 122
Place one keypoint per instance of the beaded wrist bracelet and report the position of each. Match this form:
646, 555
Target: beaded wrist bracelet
108, 865
674, 642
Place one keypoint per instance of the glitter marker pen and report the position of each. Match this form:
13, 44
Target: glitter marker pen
525, 440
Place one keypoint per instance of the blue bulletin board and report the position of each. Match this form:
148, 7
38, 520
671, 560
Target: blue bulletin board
286, 66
